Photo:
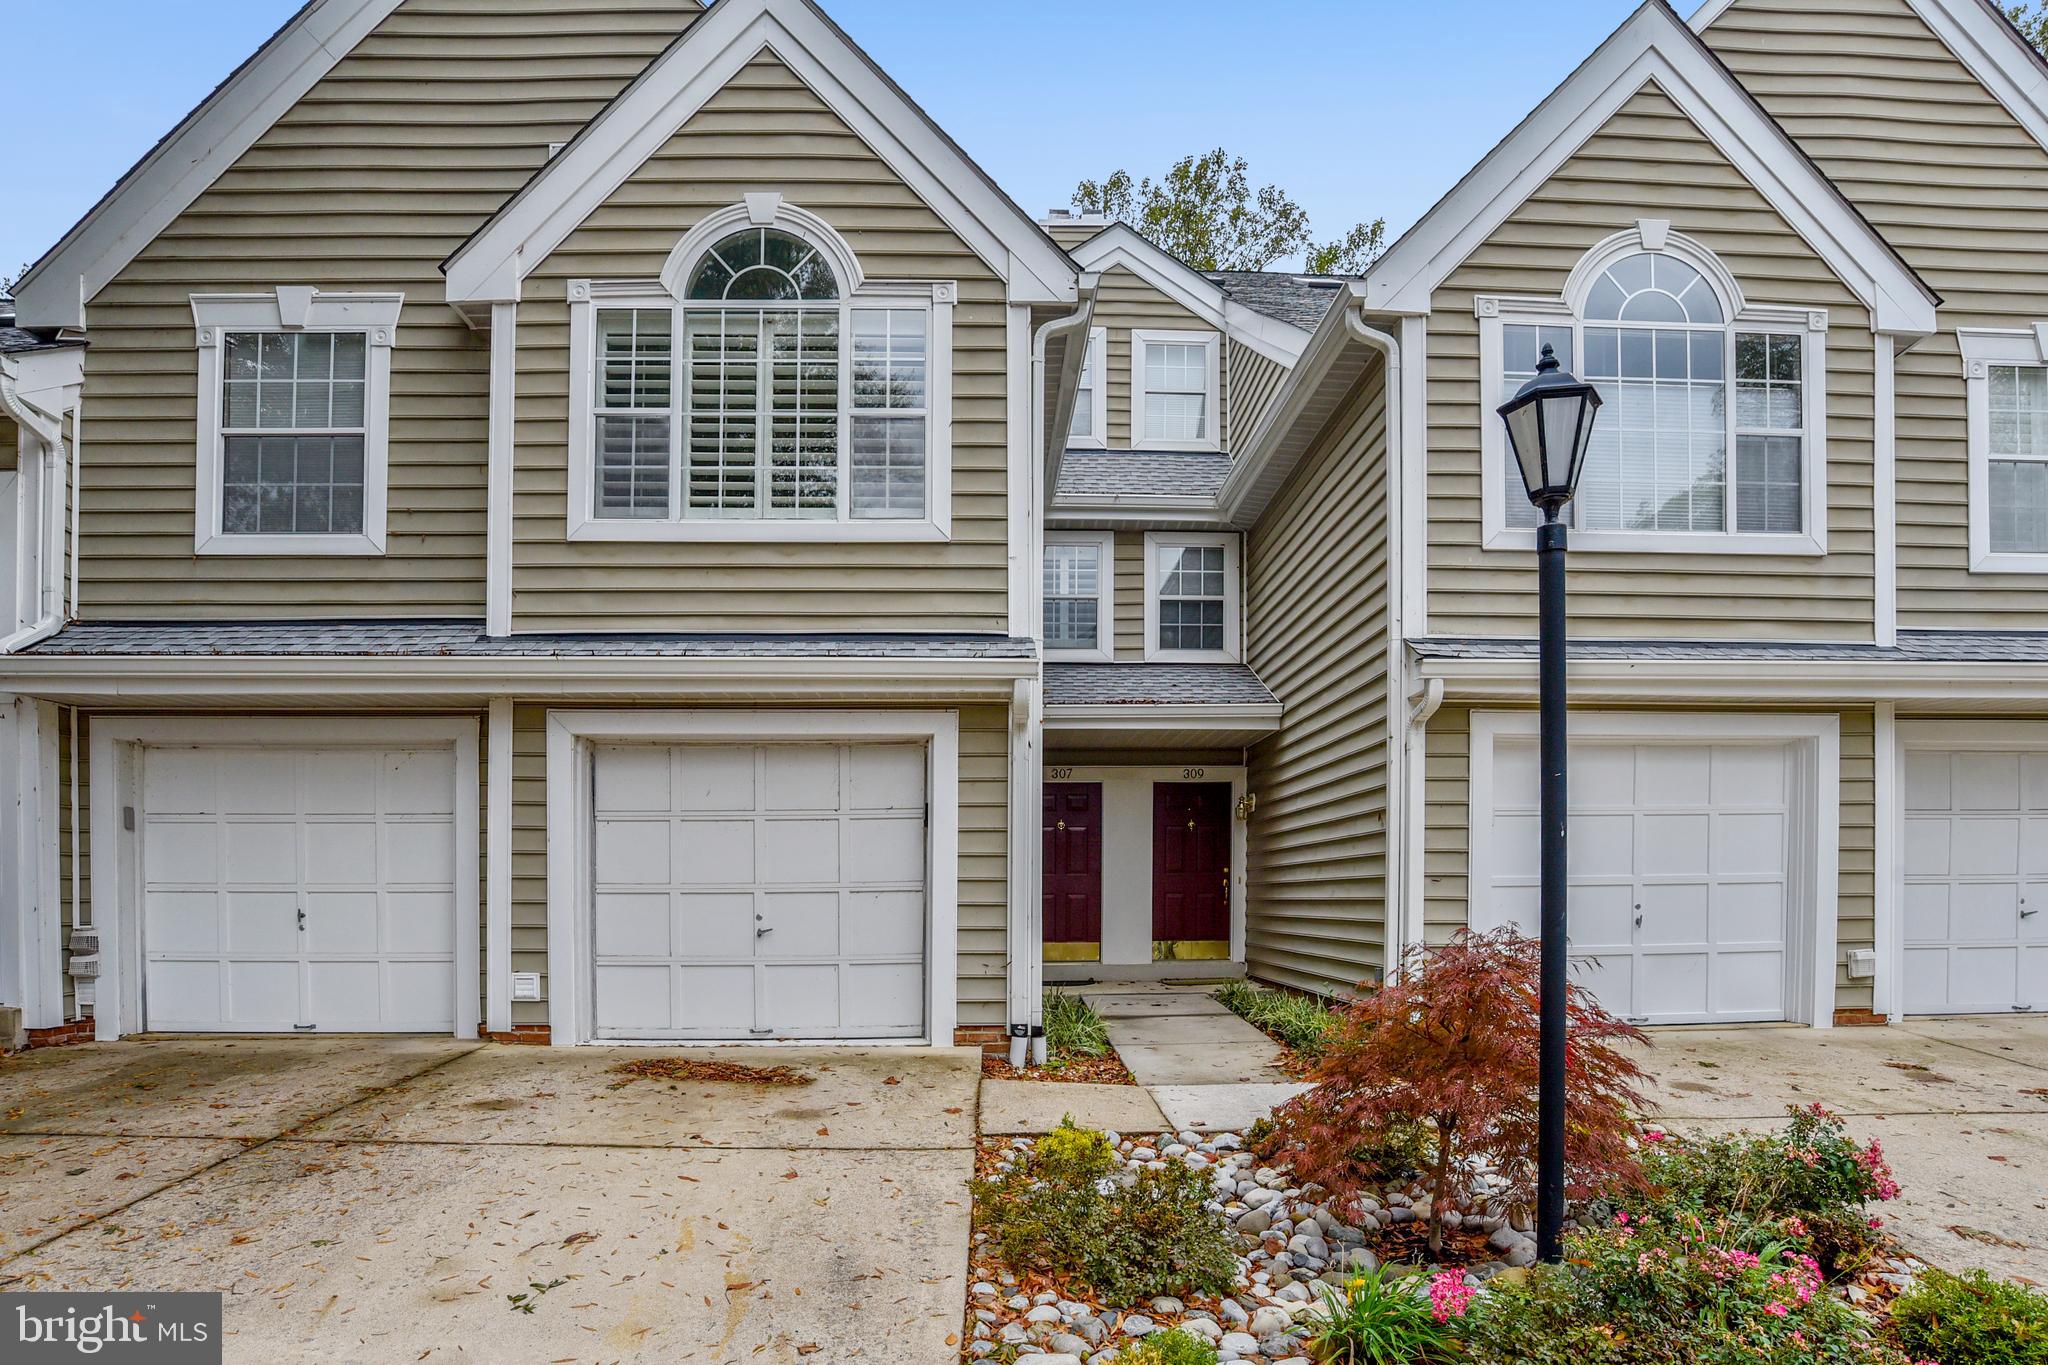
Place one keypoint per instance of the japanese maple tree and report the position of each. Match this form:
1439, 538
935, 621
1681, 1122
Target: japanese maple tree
1451, 1042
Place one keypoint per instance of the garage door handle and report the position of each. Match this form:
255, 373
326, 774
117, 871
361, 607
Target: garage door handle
2029, 914
759, 933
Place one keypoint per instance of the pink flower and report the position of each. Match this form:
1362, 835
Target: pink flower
1876, 1223
1449, 1295
1654, 1135
1621, 1219
1776, 1310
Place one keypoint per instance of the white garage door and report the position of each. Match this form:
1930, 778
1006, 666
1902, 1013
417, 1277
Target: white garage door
1680, 885
298, 889
1976, 881
760, 891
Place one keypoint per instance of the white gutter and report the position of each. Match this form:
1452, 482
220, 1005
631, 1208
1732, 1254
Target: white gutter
1695, 679
1080, 321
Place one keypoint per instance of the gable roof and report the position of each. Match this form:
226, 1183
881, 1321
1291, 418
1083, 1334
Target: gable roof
1983, 40
1286, 295
564, 192
1653, 44
163, 184
1201, 294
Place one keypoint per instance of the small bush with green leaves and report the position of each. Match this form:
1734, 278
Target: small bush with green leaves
1809, 1182
1663, 1290
1402, 1149
1066, 1207
1303, 1022
1073, 1028
1378, 1319
1972, 1319
1172, 1347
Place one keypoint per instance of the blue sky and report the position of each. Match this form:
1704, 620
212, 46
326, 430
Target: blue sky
1356, 109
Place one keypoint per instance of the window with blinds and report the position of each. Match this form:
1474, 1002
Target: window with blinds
794, 402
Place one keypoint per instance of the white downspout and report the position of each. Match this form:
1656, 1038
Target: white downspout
1027, 741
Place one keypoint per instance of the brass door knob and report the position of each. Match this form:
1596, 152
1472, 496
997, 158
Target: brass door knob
1059, 824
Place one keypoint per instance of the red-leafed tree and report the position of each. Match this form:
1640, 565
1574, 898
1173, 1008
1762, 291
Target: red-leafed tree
1452, 1043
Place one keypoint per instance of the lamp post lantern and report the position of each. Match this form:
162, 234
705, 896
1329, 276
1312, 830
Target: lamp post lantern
1550, 423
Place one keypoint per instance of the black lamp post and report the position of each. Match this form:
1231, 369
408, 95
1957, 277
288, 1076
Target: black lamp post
1550, 422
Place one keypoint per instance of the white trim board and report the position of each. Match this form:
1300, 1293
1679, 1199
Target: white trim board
1653, 45
1120, 245
571, 736
1811, 923
489, 267
116, 887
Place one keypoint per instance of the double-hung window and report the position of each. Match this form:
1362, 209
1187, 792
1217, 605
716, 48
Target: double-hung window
1191, 596
1077, 592
764, 399
2006, 386
293, 416
1174, 390
1709, 435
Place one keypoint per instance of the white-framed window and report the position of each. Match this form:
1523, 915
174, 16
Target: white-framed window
1089, 429
2005, 376
1191, 597
1079, 591
1174, 390
1712, 434
294, 411
762, 389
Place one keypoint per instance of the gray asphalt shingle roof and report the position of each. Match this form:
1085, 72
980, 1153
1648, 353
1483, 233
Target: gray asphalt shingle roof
1292, 298
1147, 473
1914, 646
426, 639
1154, 685
13, 339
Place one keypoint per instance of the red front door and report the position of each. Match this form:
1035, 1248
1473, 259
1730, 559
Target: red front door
1191, 862
1073, 862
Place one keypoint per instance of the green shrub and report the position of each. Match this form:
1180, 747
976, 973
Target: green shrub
1682, 1291
1972, 1319
1073, 1028
1380, 1320
1303, 1022
1068, 1209
1402, 1149
1172, 1347
1810, 1182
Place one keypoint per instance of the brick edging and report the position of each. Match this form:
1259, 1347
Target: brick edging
62, 1035
533, 1035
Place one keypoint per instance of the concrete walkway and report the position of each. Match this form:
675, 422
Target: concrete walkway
1207, 1069
1960, 1104
364, 1198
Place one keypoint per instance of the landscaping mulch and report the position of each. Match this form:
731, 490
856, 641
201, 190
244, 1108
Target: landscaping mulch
685, 1069
1107, 1069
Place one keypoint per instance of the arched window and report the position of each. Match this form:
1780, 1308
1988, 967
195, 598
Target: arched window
773, 384
1703, 428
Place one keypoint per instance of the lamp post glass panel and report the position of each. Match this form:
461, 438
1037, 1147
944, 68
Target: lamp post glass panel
1550, 423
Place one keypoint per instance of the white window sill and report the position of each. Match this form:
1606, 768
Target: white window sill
2009, 563
769, 532
1183, 447
1079, 656
1665, 542
1087, 443
1189, 656
290, 546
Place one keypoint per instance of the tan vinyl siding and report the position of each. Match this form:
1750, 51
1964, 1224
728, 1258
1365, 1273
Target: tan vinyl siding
1447, 838
1649, 160
1250, 383
1126, 303
1961, 189
386, 165
1071, 235
1316, 585
765, 130
984, 860
1129, 603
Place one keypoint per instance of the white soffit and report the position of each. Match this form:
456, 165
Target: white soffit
1653, 45
191, 157
1121, 245
633, 127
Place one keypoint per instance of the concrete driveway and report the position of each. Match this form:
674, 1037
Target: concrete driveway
368, 1199
1960, 1104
